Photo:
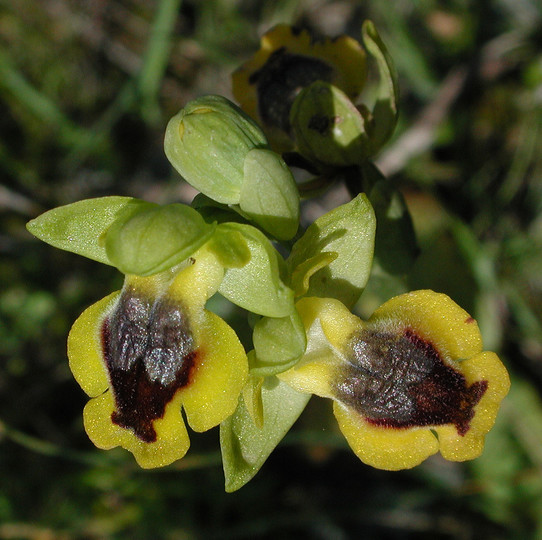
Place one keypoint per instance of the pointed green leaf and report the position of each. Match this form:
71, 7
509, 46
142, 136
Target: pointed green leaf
348, 231
269, 194
396, 248
245, 447
278, 344
258, 286
150, 238
80, 227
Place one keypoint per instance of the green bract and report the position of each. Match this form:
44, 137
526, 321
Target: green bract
327, 126
148, 238
347, 234
245, 446
207, 143
80, 227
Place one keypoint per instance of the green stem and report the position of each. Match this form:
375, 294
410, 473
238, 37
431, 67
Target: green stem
47, 448
37, 103
156, 57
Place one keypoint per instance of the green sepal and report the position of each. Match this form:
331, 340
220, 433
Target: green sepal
80, 227
230, 247
207, 142
245, 447
278, 344
149, 238
302, 274
269, 195
328, 128
348, 231
258, 286
385, 111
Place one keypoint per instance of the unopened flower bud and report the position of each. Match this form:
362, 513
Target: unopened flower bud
328, 128
207, 142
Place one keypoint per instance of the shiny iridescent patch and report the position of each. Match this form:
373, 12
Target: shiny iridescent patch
401, 381
149, 353
279, 81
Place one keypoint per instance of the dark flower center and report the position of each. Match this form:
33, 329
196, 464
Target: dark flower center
149, 353
279, 81
401, 381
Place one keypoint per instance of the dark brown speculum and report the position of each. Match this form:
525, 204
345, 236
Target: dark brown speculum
149, 353
401, 381
279, 81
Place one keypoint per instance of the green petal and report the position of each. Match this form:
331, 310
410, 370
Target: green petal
207, 142
258, 286
385, 111
303, 272
327, 126
230, 247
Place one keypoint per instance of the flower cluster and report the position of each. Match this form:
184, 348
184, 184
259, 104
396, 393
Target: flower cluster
411, 381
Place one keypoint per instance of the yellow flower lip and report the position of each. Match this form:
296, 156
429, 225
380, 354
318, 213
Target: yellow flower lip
401, 381
151, 349
289, 60
411, 381
149, 352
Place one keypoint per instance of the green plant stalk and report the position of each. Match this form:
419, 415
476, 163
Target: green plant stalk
37, 103
156, 57
47, 448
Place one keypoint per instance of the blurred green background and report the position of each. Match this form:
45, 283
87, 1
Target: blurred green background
86, 89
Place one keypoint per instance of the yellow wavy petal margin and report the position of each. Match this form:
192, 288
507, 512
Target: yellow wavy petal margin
435, 318
217, 380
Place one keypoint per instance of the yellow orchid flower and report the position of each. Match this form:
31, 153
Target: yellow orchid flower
290, 59
144, 352
409, 382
